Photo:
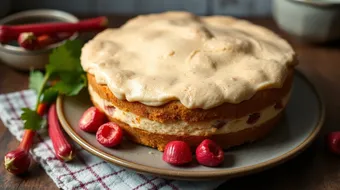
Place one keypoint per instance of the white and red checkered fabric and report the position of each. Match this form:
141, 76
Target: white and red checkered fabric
86, 171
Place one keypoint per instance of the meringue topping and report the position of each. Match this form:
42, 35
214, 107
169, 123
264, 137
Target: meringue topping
202, 62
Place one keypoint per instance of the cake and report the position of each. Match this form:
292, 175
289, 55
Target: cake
178, 76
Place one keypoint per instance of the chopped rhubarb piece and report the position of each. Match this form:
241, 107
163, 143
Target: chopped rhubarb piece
109, 109
28, 41
219, 123
253, 118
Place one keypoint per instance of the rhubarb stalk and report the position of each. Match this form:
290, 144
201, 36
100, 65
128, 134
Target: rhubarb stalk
8, 33
63, 36
19, 160
62, 147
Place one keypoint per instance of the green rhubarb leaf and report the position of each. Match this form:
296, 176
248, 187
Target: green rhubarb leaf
49, 95
71, 88
36, 80
64, 65
70, 77
32, 120
65, 58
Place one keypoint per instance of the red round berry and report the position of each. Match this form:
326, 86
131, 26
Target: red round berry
109, 134
333, 142
28, 41
91, 120
208, 153
177, 153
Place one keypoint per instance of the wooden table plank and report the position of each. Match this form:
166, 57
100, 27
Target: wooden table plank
314, 169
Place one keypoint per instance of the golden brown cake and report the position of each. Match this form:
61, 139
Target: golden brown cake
177, 76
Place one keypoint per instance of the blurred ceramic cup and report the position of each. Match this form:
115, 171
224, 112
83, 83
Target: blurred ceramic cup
313, 21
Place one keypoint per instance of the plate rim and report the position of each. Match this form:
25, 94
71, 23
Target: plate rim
169, 173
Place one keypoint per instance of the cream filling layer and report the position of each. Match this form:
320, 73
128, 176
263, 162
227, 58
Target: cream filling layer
182, 127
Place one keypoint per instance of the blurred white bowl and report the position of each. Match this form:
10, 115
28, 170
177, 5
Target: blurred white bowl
22, 59
313, 21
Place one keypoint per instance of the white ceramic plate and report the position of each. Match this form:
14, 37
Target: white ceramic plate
303, 119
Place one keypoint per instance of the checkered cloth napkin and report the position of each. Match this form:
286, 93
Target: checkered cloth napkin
86, 171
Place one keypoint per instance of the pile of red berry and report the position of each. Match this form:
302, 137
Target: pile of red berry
208, 153
110, 134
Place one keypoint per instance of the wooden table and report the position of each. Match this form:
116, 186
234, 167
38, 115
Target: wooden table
314, 169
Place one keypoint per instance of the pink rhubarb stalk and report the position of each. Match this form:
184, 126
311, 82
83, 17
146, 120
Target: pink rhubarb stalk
62, 147
18, 161
8, 33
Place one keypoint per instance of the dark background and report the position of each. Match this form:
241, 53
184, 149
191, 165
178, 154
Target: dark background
241, 8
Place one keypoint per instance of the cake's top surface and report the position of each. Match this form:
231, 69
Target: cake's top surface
201, 61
